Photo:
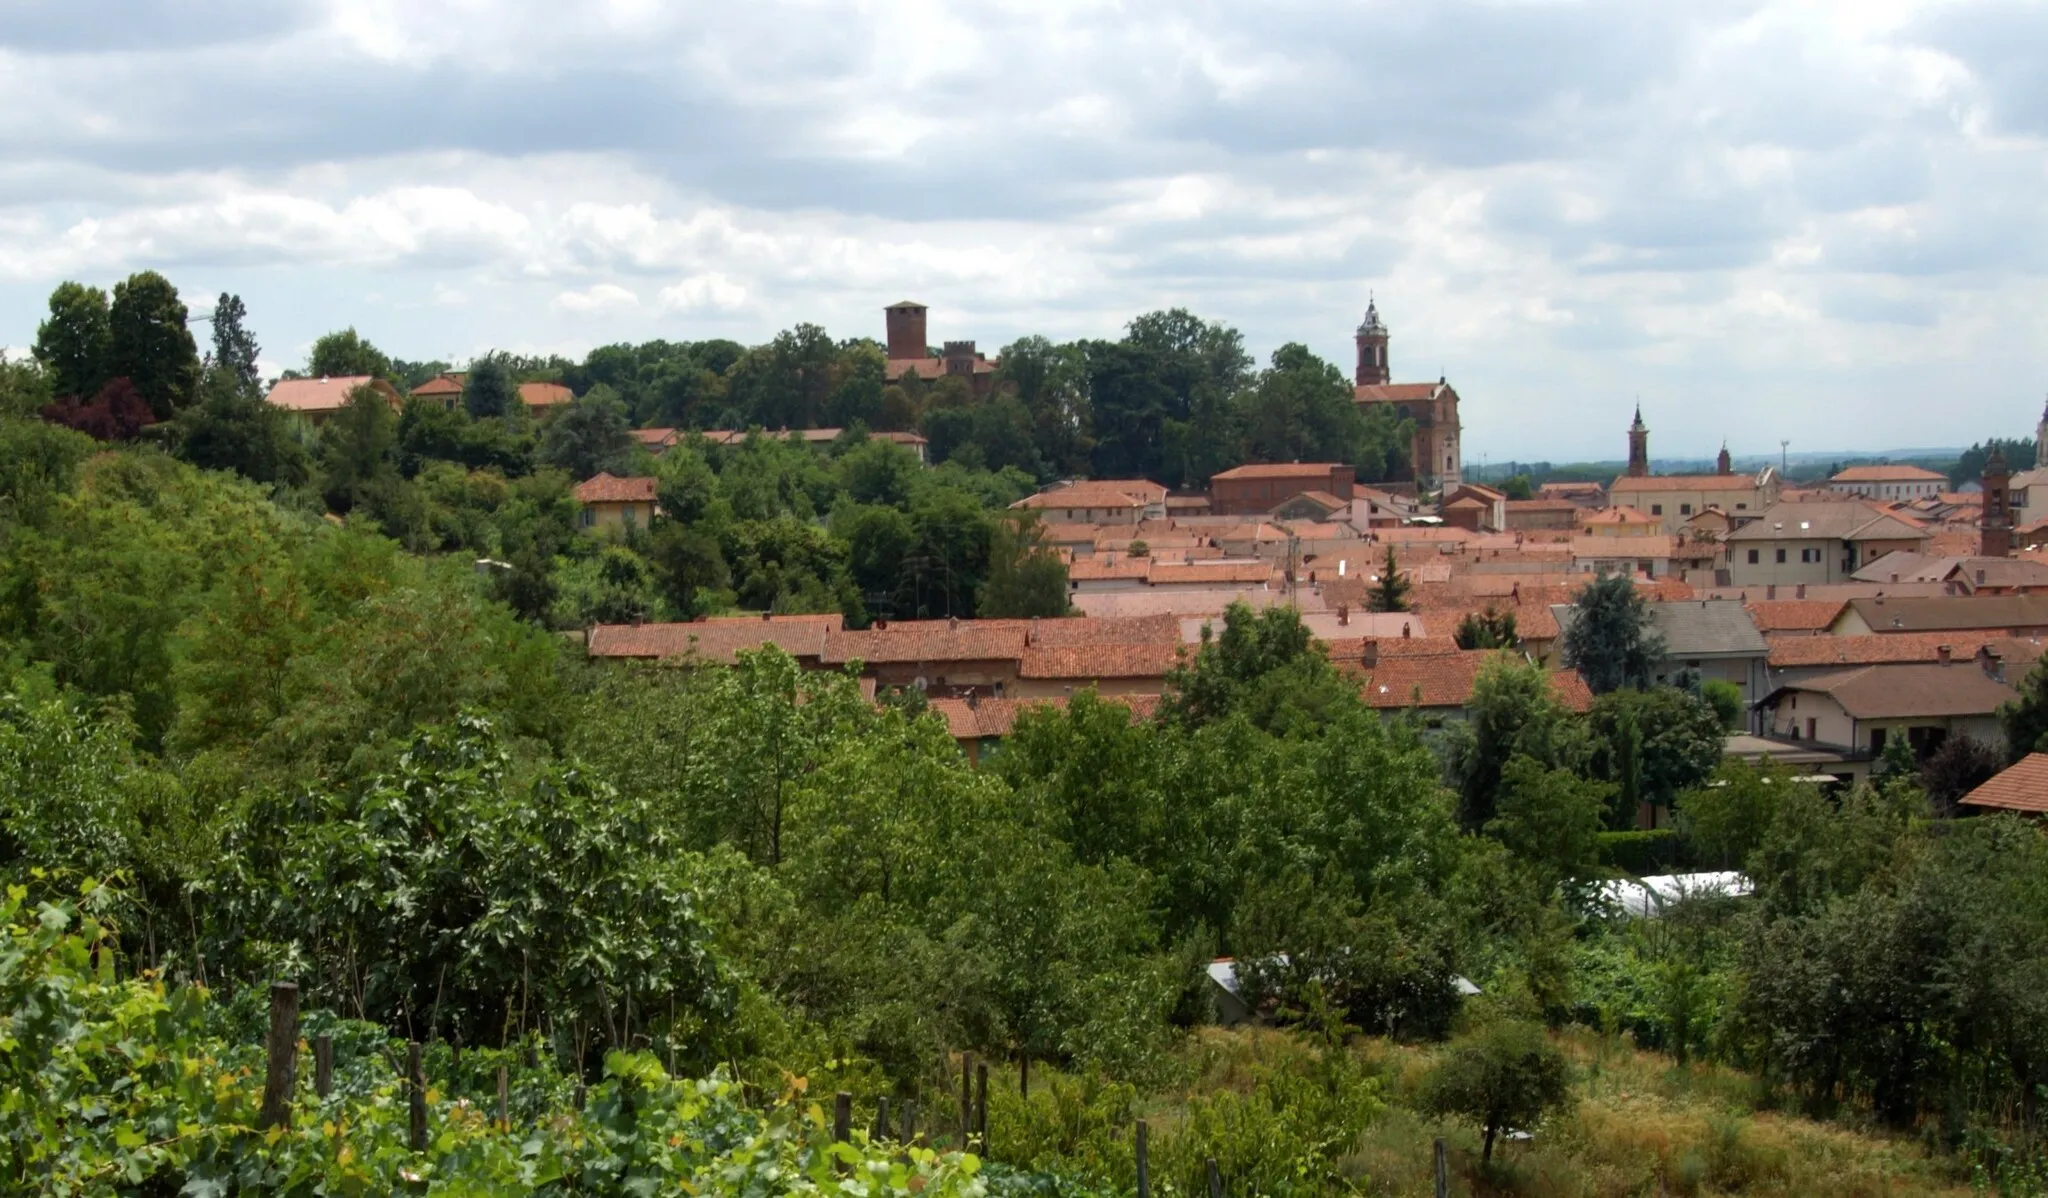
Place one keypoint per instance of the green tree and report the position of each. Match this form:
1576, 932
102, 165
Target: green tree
1513, 710
1489, 629
230, 429
1609, 638
346, 354
1025, 577
1726, 699
1300, 410
149, 344
73, 344
589, 436
489, 391
1390, 590
1518, 487
689, 570
24, 386
235, 350
2025, 719
1507, 1075
1550, 819
1654, 744
1959, 766
1265, 666
358, 451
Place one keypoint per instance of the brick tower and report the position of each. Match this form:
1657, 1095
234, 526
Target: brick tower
1372, 347
1995, 528
907, 331
1638, 447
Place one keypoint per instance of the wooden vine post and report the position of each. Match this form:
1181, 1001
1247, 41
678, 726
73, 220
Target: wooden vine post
416, 1095
1144, 1166
504, 1100
281, 1050
882, 1128
1023, 1077
1443, 1170
966, 1098
323, 1064
1215, 1178
981, 1105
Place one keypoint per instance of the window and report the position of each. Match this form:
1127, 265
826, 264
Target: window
1781, 557
1752, 557
1685, 509
1656, 509
629, 515
1812, 728
1741, 507
587, 517
1809, 555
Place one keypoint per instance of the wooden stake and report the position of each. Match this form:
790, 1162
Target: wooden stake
842, 1117
1144, 1167
882, 1128
966, 1097
909, 1121
416, 1087
1443, 1171
1215, 1178
981, 1105
1023, 1077
323, 1064
504, 1101
281, 1050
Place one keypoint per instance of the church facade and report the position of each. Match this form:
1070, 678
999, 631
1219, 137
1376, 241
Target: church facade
1435, 456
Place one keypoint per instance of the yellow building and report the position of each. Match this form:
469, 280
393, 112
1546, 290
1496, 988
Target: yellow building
609, 502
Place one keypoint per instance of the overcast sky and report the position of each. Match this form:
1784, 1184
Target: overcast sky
1822, 222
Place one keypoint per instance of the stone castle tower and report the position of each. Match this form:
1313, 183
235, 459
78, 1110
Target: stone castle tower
1995, 527
1372, 348
1723, 464
1638, 447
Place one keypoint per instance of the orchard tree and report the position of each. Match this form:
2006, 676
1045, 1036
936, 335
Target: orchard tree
149, 344
72, 343
1506, 1076
1610, 641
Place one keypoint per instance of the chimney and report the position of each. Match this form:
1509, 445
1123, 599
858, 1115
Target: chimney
765, 617
1406, 630
1993, 663
952, 623
1944, 654
1515, 594
973, 700
1771, 591
1031, 637
1343, 615
1801, 592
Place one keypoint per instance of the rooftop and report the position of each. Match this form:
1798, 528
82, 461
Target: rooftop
1316, 470
322, 395
1952, 612
1685, 482
1910, 691
1840, 521
1888, 474
2022, 786
606, 488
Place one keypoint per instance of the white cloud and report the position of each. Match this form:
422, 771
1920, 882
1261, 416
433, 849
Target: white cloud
1771, 218
599, 297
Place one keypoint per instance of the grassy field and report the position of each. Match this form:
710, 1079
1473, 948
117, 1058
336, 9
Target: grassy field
1641, 1125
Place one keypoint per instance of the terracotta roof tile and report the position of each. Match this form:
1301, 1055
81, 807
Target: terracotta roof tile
1316, 470
605, 488
1795, 615
1805, 652
2022, 786
544, 395
983, 718
323, 395
713, 641
440, 384
1913, 690
1446, 680
1887, 474
1101, 661
1685, 482
1393, 392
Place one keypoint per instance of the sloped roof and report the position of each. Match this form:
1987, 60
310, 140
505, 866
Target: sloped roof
606, 488
1952, 612
714, 641
544, 395
980, 718
323, 395
440, 384
1394, 392
1317, 470
2022, 786
1103, 493
1794, 615
1805, 652
1695, 627
1100, 661
1684, 482
1846, 520
1887, 474
1910, 691
657, 438
1444, 680
1619, 515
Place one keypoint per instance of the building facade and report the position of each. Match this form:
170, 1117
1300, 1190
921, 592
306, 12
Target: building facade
1435, 455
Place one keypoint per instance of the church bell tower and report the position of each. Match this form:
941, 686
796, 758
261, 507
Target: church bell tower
1372, 347
1638, 447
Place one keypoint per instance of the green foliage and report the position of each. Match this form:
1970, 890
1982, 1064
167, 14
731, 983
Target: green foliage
1489, 629
233, 360
1645, 852
149, 345
1550, 820
1513, 710
1518, 487
1609, 640
345, 354
1265, 666
588, 436
490, 390
232, 428
1390, 589
2025, 719
72, 344
1025, 577
1726, 700
1653, 745
1507, 1075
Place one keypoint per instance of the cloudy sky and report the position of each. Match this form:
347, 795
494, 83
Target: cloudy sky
1822, 222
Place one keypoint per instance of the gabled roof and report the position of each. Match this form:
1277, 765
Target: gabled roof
2022, 786
657, 438
1909, 691
441, 384
978, 718
1794, 615
1685, 482
1097, 492
716, 642
1618, 516
1694, 627
1837, 521
1807, 652
1887, 474
605, 488
1100, 661
308, 396
1317, 470
1445, 680
1951, 613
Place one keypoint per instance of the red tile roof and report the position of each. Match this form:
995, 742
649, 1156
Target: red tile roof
1887, 474
1685, 482
1794, 615
1393, 392
1796, 652
930, 368
604, 488
1619, 516
713, 641
1317, 470
657, 438
1911, 690
440, 384
544, 395
1101, 661
982, 718
1446, 680
1102, 493
2022, 786
311, 396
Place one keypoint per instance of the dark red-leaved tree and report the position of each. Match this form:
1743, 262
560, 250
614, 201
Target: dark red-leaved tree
117, 413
